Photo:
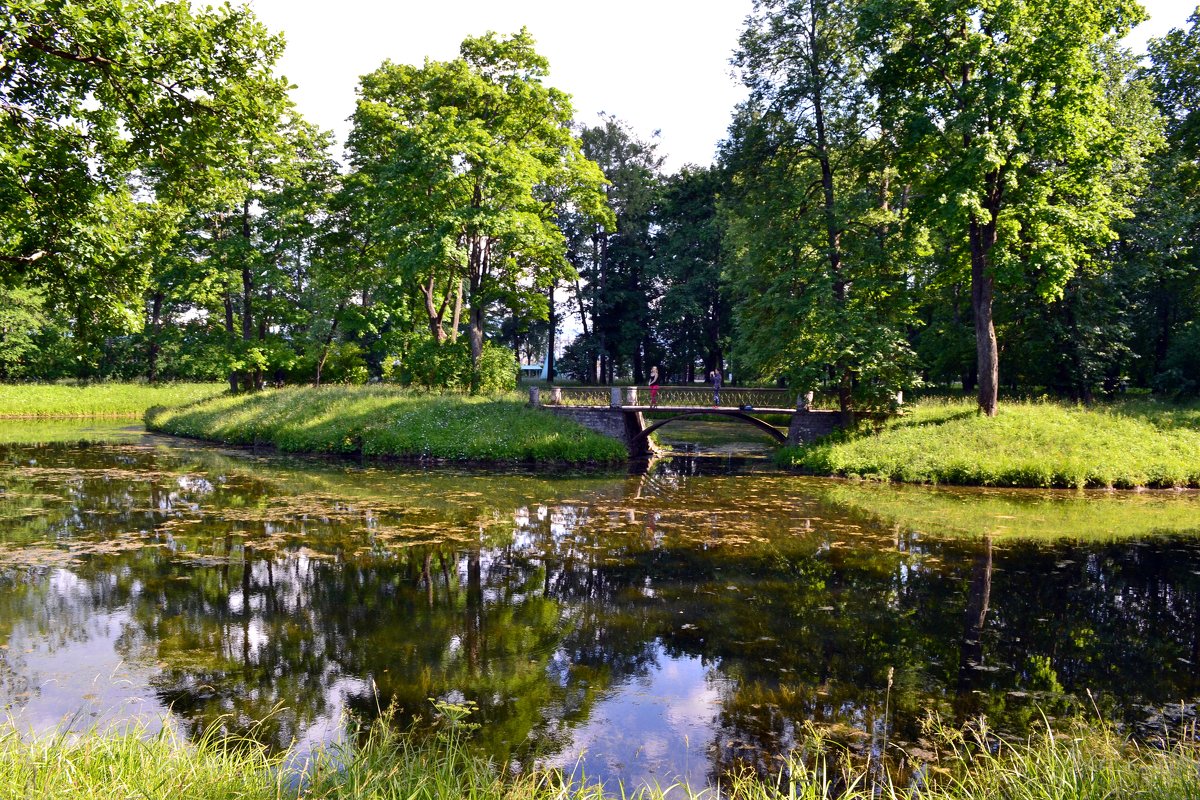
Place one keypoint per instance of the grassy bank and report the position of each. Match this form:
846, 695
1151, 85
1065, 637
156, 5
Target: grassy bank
1017, 514
51, 400
1127, 445
386, 422
382, 765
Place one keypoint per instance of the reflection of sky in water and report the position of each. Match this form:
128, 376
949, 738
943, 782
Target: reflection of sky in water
656, 727
80, 680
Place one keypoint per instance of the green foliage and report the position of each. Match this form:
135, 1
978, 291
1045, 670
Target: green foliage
98, 400
1181, 366
430, 365
460, 166
1016, 152
1027, 444
693, 318
22, 318
387, 422
820, 256
113, 109
380, 763
112, 765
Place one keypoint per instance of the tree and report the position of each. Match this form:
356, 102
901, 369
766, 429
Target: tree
1159, 253
246, 255
1007, 136
693, 315
105, 106
817, 264
614, 259
463, 160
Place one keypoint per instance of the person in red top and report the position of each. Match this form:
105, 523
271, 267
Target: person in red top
653, 386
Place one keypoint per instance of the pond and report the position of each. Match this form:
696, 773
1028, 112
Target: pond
674, 624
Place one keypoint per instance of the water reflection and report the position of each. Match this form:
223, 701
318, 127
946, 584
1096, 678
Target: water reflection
643, 627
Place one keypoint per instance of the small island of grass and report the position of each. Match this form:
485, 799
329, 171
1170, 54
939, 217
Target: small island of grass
387, 422
1134, 444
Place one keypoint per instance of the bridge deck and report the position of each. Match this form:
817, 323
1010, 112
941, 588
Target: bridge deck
703, 409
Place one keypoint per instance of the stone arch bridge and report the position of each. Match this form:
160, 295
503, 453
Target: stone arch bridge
619, 411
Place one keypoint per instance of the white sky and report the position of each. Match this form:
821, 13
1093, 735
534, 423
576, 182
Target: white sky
657, 64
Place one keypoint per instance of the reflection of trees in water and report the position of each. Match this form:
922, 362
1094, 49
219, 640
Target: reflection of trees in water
534, 612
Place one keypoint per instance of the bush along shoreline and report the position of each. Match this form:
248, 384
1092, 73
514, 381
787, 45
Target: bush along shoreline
390, 423
1130, 445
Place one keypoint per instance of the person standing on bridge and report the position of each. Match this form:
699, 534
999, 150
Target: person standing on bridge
653, 387
715, 375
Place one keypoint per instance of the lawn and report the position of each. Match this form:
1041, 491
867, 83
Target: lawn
1029, 444
61, 400
382, 421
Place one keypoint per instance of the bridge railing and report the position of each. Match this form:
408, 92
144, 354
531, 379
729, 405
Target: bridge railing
667, 396
736, 396
576, 396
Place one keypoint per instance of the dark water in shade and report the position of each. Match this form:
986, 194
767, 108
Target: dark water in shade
672, 624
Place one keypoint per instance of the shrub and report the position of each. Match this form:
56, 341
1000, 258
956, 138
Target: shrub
1181, 367
448, 366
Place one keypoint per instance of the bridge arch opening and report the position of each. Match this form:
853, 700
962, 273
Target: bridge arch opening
774, 432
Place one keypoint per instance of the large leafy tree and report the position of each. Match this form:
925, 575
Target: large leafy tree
106, 106
813, 224
465, 163
1007, 136
1160, 247
617, 291
693, 315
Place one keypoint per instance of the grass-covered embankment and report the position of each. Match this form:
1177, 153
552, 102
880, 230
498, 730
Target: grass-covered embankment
383, 765
1123, 445
386, 422
59, 400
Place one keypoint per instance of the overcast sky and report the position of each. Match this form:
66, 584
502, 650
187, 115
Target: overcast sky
657, 64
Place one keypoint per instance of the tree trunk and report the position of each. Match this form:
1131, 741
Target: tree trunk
833, 233
251, 380
553, 325
155, 329
987, 357
328, 342
230, 330
456, 319
475, 332
435, 313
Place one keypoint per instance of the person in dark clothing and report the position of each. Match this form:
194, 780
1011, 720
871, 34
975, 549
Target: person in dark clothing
715, 375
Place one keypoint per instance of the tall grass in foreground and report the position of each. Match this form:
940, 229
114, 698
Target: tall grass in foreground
384, 765
389, 421
98, 399
1042, 444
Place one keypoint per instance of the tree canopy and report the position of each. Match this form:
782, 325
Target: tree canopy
978, 194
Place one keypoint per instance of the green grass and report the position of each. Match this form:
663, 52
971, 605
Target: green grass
386, 422
1037, 514
383, 765
1028, 444
131, 400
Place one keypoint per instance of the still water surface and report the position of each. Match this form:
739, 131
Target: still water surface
634, 627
